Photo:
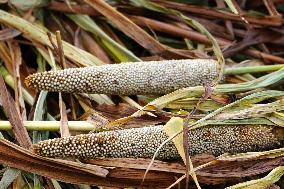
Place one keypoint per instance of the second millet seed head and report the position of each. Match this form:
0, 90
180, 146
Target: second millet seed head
154, 77
143, 142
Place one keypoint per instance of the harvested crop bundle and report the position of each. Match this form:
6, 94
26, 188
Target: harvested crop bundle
143, 142
154, 77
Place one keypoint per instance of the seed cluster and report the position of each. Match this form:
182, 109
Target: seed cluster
143, 142
154, 77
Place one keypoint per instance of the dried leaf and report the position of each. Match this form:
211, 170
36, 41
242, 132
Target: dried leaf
23, 159
255, 36
238, 169
64, 128
19, 130
93, 47
277, 118
253, 155
8, 177
88, 24
6, 57
8, 33
113, 112
262, 20
262, 183
140, 163
37, 34
9, 80
259, 110
132, 30
16, 55
79, 9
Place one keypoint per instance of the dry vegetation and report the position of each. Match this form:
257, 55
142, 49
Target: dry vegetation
239, 108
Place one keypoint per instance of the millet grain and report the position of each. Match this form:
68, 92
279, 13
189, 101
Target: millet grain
154, 77
143, 142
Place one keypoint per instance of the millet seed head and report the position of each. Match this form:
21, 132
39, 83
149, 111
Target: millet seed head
143, 142
154, 77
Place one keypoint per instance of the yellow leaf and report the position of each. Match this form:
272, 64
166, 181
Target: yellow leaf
175, 125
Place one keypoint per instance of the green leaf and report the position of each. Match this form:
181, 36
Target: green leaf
260, 82
232, 6
30, 4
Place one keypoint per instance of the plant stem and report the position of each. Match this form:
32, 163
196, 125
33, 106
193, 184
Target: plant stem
50, 125
253, 69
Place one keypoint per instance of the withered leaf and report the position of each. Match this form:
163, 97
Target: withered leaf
18, 127
20, 158
114, 112
8, 33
